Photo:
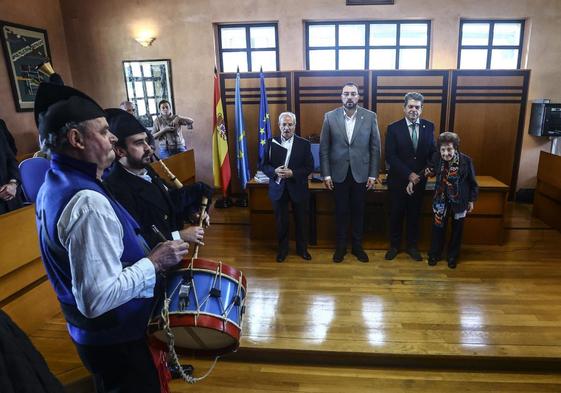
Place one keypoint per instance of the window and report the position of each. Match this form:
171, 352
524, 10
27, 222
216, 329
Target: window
248, 47
147, 82
362, 45
490, 44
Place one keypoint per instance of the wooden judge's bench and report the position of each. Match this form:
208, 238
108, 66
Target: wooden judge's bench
483, 226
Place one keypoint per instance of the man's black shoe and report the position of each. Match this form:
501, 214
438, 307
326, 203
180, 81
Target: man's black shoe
305, 255
281, 255
415, 254
433, 260
360, 254
339, 254
391, 254
452, 262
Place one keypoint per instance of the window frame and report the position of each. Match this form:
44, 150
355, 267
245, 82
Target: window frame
489, 47
367, 47
143, 79
248, 49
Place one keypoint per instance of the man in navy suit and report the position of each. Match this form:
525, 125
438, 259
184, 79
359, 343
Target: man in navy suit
409, 148
288, 162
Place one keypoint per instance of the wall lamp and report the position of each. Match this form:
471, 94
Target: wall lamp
145, 41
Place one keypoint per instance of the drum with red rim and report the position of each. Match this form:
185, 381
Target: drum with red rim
206, 307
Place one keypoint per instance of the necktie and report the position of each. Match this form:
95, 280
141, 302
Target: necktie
414, 135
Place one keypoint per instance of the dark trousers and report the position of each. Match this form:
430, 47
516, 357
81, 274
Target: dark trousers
439, 235
350, 198
121, 368
405, 207
300, 212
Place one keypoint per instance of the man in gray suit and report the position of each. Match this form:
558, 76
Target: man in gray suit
350, 159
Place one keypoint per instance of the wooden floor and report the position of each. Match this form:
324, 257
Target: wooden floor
382, 326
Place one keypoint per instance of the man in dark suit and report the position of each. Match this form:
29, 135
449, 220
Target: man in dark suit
409, 148
137, 186
287, 162
350, 161
9, 172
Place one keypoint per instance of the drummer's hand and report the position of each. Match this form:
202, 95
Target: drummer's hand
193, 234
168, 254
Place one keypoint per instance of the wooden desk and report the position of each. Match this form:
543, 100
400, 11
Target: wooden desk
25, 294
547, 199
484, 225
182, 165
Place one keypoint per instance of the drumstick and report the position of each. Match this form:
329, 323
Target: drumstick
158, 233
204, 202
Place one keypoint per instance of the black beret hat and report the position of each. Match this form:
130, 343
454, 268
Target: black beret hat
56, 105
123, 124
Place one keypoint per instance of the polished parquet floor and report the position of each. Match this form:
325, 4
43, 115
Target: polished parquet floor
492, 324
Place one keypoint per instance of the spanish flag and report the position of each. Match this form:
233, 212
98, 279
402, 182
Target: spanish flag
220, 159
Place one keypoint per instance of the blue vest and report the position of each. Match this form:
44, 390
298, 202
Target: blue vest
127, 322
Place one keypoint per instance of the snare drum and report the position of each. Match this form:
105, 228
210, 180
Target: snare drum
206, 306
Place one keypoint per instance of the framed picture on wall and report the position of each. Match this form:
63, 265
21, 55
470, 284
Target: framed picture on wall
25, 48
148, 82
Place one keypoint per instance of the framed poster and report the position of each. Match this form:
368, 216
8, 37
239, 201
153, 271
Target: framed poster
148, 82
25, 48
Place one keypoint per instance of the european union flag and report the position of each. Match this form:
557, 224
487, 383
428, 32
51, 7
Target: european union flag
241, 143
264, 121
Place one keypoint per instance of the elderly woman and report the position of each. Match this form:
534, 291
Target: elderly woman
167, 130
455, 192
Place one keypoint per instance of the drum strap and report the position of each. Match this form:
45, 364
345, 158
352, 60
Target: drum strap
173, 358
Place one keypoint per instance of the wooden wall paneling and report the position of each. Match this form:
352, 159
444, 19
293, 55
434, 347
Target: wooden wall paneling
547, 199
279, 98
549, 168
318, 92
389, 88
487, 110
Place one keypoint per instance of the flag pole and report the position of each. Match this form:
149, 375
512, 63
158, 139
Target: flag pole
242, 200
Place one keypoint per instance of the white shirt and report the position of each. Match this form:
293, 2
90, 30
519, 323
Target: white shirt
90, 231
143, 174
350, 124
287, 144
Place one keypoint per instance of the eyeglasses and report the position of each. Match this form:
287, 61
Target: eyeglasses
287, 125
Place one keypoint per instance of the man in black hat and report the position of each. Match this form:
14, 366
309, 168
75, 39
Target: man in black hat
139, 188
101, 271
